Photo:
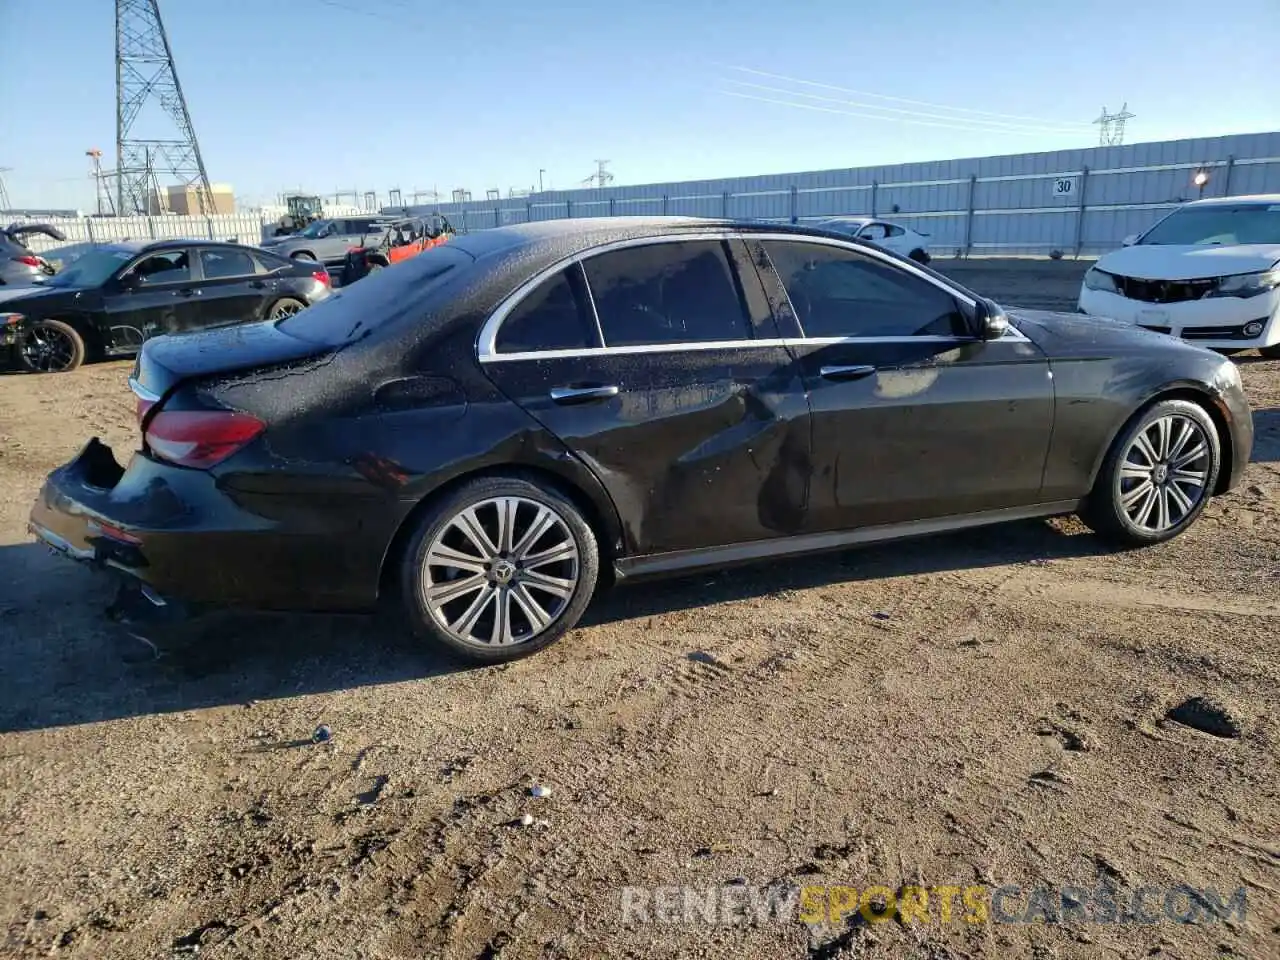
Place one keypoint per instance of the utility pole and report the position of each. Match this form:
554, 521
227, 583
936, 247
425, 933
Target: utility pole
4, 191
146, 76
540, 173
1111, 126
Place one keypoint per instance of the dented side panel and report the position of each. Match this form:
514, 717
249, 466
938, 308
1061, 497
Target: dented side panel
698, 448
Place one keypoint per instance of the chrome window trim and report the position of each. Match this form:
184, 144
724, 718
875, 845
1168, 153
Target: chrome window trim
1012, 335
486, 341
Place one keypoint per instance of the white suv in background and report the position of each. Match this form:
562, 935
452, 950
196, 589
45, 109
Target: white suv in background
1209, 273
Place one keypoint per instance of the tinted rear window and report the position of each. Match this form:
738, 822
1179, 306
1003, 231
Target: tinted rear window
553, 317
670, 292
353, 311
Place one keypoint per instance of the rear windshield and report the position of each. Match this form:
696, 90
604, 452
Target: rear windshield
1218, 224
353, 312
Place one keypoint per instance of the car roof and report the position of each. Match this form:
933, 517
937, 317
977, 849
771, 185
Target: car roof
848, 220
552, 239
1261, 199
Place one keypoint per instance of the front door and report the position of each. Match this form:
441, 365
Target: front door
913, 416
156, 294
663, 372
231, 288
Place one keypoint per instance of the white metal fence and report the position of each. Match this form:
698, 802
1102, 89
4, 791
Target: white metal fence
245, 227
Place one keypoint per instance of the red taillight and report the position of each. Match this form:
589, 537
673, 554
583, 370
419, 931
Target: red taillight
29, 261
323, 277
200, 438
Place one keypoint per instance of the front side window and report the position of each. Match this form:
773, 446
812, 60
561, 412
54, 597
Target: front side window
172, 266
553, 317
670, 292
843, 293
874, 231
892, 230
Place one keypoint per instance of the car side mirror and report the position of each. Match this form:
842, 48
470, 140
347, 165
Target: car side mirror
990, 321
1130, 240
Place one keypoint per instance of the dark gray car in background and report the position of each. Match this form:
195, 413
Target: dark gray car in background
19, 265
327, 241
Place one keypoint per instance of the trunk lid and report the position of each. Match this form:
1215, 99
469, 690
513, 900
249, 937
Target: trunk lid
166, 361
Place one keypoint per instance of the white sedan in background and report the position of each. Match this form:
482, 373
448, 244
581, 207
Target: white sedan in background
1209, 273
882, 233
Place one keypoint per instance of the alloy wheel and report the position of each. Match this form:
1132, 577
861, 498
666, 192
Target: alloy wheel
1164, 473
500, 572
283, 310
47, 349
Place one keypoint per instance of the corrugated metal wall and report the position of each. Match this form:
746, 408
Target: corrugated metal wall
247, 228
1076, 201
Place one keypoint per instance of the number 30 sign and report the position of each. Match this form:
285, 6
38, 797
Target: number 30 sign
1064, 186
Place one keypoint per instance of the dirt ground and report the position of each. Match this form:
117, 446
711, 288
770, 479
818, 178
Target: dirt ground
983, 709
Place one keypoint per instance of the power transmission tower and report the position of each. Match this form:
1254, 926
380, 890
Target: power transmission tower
601, 176
146, 77
1111, 126
4, 191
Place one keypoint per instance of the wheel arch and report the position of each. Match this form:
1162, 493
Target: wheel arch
596, 508
1204, 398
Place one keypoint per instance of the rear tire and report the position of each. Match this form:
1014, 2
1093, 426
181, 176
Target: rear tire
1270, 353
285, 308
1157, 476
51, 346
513, 595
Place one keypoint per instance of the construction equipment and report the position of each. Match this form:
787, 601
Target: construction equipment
303, 210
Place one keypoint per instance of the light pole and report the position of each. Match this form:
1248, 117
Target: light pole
540, 173
1200, 179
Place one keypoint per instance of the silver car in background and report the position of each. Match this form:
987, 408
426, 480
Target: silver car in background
19, 265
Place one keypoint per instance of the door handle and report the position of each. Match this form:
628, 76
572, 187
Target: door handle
186, 293
855, 372
582, 394
258, 285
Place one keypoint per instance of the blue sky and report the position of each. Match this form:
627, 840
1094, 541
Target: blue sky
328, 94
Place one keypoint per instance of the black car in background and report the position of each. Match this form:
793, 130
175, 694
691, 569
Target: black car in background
107, 302
493, 427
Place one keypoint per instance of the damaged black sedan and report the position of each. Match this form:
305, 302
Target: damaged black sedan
495, 427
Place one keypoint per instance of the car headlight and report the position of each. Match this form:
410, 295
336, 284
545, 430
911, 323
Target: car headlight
1246, 284
1095, 279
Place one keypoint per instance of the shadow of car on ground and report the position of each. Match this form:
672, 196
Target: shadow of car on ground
62, 662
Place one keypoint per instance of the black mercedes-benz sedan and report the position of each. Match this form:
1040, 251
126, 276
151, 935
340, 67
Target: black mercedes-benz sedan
113, 298
493, 428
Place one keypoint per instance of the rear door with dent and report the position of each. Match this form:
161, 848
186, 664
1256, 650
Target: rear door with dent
658, 364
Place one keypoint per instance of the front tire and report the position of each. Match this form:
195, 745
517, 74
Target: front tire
499, 569
919, 256
1157, 476
1270, 353
51, 346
